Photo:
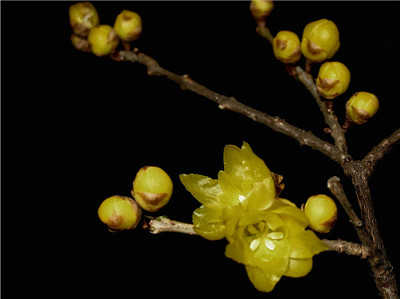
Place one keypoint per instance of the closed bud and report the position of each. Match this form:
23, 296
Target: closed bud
80, 43
320, 40
83, 16
119, 213
286, 45
261, 9
128, 25
321, 212
152, 188
333, 79
103, 40
361, 107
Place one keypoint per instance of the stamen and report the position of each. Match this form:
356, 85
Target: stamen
269, 244
275, 235
255, 244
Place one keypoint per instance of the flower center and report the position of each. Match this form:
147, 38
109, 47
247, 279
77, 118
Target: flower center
262, 234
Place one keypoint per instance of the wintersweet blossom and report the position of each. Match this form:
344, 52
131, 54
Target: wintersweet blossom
265, 233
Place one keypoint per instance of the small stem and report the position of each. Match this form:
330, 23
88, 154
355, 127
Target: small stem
330, 119
347, 247
335, 186
164, 224
379, 151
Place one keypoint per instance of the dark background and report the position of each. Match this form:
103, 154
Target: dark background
76, 128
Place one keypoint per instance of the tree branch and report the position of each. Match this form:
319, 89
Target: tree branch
229, 103
330, 119
379, 151
163, 225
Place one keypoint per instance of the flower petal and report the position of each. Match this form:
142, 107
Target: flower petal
285, 208
305, 244
208, 222
265, 276
299, 267
203, 188
257, 166
262, 196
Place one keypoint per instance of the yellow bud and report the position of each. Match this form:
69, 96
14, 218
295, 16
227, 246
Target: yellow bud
260, 9
128, 25
321, 212
286, 45
103, 40
320, 40
152, 188
361, 107
83, 16
80, 43
333, 79
119, 213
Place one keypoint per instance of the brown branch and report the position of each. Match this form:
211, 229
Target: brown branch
229, 103
163, 225
379, 151
347, 247
335, 186
330, 119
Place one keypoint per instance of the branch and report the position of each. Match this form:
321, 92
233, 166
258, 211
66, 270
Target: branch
229, 103
379, 151
163, 224
335, 186
330, 119
347, 247
336, 130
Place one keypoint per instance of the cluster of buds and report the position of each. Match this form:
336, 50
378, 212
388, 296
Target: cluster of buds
319, 43
152, 190
101, 39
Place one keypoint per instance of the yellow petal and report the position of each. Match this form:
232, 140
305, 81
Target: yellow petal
207, 222
262, 196
233, 161
258, 168
286, 209
305, 244
235, 251
299, 267
204, 189
265, 275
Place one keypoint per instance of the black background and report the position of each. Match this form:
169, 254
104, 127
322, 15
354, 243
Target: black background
76, 128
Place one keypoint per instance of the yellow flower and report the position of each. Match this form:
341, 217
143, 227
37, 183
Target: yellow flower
83, 16
260, 9
320, 40
266, 234
243, 170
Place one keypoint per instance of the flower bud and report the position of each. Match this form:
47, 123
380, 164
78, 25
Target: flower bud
261, 9
103, 40
286, 47
320, 40
321, 212
152, 188
333, 79
80, 43
119, 213
128, 25
83, 16
361, 107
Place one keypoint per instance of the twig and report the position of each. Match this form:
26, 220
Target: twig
347, 247
164, 224
336, 130
379, 151
335, 186
229, 103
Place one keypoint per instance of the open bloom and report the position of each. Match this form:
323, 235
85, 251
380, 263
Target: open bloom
265, 233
